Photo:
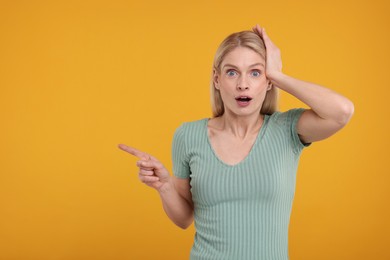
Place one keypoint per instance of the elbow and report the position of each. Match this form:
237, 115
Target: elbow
346, 112
184, 224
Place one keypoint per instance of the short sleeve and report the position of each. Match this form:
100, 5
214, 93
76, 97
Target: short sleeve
292, 118
180, 159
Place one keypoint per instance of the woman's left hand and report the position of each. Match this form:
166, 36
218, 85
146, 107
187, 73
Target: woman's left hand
273, 57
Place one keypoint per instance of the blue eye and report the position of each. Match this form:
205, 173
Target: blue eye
256, 73
231, 73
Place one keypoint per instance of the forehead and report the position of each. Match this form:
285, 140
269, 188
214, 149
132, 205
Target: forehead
242, 57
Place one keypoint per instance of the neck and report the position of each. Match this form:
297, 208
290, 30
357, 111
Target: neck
241, 126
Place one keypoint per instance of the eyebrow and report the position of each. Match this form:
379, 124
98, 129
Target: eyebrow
231, 65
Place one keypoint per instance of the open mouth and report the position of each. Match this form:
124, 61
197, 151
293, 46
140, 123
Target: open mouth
243, 99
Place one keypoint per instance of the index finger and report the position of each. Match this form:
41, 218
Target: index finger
135, 152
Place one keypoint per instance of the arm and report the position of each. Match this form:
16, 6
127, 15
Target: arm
177, 202
328, 112
174, 193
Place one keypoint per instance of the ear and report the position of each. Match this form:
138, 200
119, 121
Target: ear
269, 87
216, 79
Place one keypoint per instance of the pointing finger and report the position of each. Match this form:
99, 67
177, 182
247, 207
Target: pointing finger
135, 152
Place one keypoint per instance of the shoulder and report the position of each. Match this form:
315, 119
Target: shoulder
191, 126
190, 130
189, 135
287, 123
286, 118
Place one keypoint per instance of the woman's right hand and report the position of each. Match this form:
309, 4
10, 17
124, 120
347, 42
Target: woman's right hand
175, 193
151, 171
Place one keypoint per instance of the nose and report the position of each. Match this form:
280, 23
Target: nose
242, 84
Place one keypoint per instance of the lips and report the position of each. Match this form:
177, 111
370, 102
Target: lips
243, 98
243, 101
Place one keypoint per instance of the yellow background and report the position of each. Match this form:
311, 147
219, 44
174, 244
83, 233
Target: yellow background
79, 77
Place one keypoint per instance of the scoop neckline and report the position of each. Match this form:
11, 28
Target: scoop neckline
257, 140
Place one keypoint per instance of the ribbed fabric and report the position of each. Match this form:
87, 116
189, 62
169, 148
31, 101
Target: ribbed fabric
242, 211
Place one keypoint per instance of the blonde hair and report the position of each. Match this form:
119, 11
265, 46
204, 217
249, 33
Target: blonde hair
254, 42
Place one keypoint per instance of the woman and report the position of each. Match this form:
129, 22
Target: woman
234, 174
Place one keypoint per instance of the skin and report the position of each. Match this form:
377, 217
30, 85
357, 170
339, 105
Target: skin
242, 74
238, 126
174, 193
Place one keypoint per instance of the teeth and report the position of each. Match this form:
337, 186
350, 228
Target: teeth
244, 98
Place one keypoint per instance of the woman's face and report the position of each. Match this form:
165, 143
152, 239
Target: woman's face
242, 82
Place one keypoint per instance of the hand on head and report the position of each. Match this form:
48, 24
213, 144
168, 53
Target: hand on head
273, 56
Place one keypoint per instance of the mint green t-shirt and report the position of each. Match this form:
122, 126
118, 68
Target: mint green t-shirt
241, 212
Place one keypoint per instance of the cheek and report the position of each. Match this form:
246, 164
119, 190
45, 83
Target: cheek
227, 81
260, 84
227, 85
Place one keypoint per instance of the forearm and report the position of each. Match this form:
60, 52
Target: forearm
326, 103
178, 209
